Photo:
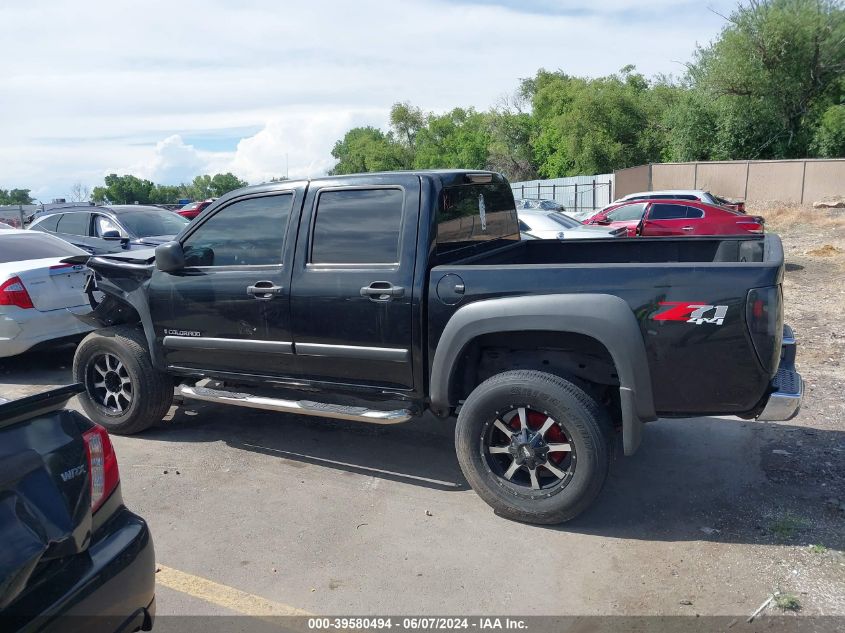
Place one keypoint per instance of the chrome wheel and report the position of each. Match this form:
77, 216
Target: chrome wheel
109, 384
528, 450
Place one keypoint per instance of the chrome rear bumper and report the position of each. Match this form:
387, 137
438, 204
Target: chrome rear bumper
787, 386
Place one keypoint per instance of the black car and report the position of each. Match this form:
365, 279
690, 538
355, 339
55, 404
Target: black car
72, 556
113, 228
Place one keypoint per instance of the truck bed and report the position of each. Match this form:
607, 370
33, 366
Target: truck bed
647, 273
643, 250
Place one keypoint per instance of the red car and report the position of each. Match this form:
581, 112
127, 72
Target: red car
193, 209
676, 217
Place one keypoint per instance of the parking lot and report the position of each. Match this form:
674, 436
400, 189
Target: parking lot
256, 512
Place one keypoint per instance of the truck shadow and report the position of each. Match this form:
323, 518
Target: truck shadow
709, 478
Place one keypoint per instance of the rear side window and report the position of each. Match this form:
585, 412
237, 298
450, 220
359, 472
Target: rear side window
469, 214
74, 224
357, 226
627, 212
694, 213
48, 224
249, 232
668, 212
23, 246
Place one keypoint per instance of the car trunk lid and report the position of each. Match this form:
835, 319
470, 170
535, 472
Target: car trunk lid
45, 496
52, 285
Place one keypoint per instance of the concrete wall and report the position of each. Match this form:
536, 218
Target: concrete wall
800, 181
631, 180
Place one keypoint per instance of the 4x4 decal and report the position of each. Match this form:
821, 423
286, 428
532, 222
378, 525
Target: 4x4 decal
691, 312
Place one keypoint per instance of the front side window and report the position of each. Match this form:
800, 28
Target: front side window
74, 224
249, 232
104, 224
357, 226
627, 213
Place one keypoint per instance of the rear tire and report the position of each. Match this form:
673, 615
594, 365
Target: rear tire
545, 470
123, 391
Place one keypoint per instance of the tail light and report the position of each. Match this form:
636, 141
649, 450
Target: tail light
102, 465
764, 317
13, 293
752, 224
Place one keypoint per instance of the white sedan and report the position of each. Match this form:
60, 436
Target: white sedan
38, 293
539, 224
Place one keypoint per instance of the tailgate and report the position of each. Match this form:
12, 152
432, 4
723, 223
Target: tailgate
45, 497
52, 285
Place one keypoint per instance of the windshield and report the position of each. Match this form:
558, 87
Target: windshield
152, 222
18, 247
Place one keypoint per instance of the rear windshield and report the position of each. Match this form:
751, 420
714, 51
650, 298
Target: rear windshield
151, 222
471, 214
23, 246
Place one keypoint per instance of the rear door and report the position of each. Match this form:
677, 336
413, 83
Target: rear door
76, 228
352, 282
228, 309
664, 218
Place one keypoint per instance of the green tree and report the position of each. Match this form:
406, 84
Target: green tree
457, 139
771, 74
829, 139
15, 196
125, 189
364, 149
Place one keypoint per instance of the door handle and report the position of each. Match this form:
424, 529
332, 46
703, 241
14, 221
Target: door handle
382, 291
686, 228
264, 290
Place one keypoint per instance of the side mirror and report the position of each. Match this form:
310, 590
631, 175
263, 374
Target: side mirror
602, 221
113, 234
170, 257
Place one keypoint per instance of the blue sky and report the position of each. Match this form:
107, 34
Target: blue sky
168, 89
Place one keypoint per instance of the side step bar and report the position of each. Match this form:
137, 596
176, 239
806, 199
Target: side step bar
303, 407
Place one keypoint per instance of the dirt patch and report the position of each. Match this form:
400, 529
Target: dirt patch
826, 251
804, 460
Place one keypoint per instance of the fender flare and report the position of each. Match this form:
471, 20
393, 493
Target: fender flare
606, 318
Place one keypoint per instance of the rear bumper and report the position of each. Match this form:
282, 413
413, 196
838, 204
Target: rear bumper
787, 386
109, 588
21, 329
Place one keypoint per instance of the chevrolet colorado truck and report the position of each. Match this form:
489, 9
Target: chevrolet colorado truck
377, 297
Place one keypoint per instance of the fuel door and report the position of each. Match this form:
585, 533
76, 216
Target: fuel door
450, 289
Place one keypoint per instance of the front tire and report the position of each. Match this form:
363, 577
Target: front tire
123, 391
533, 446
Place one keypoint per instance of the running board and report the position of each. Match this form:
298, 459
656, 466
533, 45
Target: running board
303, 407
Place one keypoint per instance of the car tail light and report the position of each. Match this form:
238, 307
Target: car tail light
102, 465
764, 317
752, 224
13, 293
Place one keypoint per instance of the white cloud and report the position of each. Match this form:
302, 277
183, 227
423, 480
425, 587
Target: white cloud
113, 84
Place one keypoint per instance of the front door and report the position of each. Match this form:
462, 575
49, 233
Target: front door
228, 309
351, 297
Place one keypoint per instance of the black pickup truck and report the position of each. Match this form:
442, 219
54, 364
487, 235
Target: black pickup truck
376, 297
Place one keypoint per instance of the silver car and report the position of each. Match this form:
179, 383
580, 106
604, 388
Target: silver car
551, 225
39, 293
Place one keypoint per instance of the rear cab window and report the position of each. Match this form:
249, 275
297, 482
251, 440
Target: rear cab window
475, 215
